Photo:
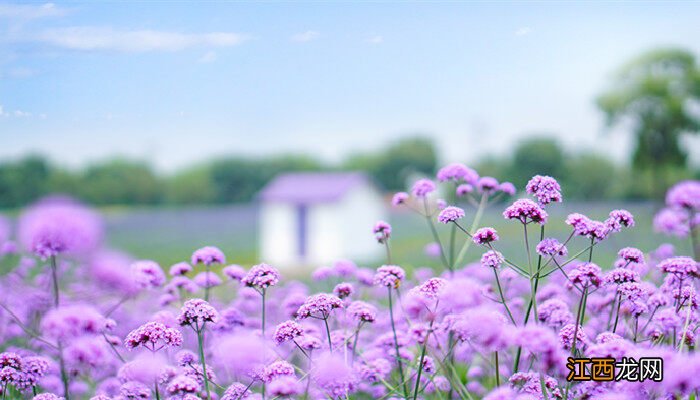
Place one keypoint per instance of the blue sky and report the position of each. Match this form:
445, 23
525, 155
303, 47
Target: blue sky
177, 83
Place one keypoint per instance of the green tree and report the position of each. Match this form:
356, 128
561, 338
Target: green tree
191, 186
656, 93
23, 181
589, 176
391, 167
537, 155
120, 182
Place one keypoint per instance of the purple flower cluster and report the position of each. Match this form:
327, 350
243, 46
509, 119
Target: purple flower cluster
389, 276
261, 276
382, 231
545, 188
153, 336
450, 214
485, 236
526, 211
208, 255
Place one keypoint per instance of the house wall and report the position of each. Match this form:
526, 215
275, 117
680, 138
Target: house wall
337, 230
358, 211
277, 233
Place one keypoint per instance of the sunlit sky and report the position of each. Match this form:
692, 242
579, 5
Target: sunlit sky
177, 83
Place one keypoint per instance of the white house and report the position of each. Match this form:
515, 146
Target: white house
313, 218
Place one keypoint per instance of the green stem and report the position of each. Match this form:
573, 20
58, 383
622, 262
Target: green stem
396, 345
263, 312
54, 278
420, 363
503, 298
328, 333
156, 388
477, 220
579, 316
498, 375
206, 288
202, 360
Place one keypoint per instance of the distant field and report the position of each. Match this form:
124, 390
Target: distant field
169, 235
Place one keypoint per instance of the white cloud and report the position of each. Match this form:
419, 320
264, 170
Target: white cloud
305, 36
26, 11
208, 57
376, 39
85, 38
525, 30
15, 113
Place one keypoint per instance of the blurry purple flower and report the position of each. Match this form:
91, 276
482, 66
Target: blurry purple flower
679, 266
566, 336
399, 198
431, 288
319, 306
464, 189
153, 336
487, 185
197, 312
309, 342
71, 321
181, 385
185, 358
526, 211
343, 290
485, 236
586, 274
450, 214
234, 272
671, 221
286, 331
208, 255
54, 226
236, 391
180, 268
382, 231
457, 173
631, 254
285, 387
147, 274
362, 311
621, 275
423, 187
207, 279
619, 219
261, 276
441, 204
684, 194
432, 250
554, 313
135, 390
374, 371
550, 247
277, 369
47, 396
492, 259
389, 276
507, 188
332, 375
182, 282
322, 273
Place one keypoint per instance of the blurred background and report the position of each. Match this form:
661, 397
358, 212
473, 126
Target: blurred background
170, 116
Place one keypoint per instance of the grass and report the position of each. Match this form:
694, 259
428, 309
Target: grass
169, 235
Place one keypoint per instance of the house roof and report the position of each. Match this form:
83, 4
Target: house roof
312, 187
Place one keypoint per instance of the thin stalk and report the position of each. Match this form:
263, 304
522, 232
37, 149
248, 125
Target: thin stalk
206, 288
354, 342
477, 220
453, 230
498, 375
54, 279
617, 313
202, 360
328, 333
156, 388
685, 329
388, 251
263, 312
578, 318
57, 303
396, 345
420, 362
503, 298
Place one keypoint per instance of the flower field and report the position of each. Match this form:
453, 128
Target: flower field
496, 293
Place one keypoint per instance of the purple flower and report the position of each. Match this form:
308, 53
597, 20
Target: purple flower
464, 189
180, 268
457, 173
586, 274
431, 288
147, 274
555, 313
672, 221
181, 385
71, 321
389, 276
487, 185
48, 396
319, 306
507, 188
208, 255
362, 311
185, 358
236, 391
334, 376
153, 336
135, 390
423, 187
197, 312
234, 272
450, 214
286, 331
207, 279
374, 371
277, 369
441, 204
631, 254
10, 359
526, 211
485, 236
566, 336
621, 275
545, 188
309, 342
684, 194
492, 259
550, 247
584, 226
343, 290
58, 225
618, 219
399, 198
181, 282
679, 266
285, 387
382, 231
261, 276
